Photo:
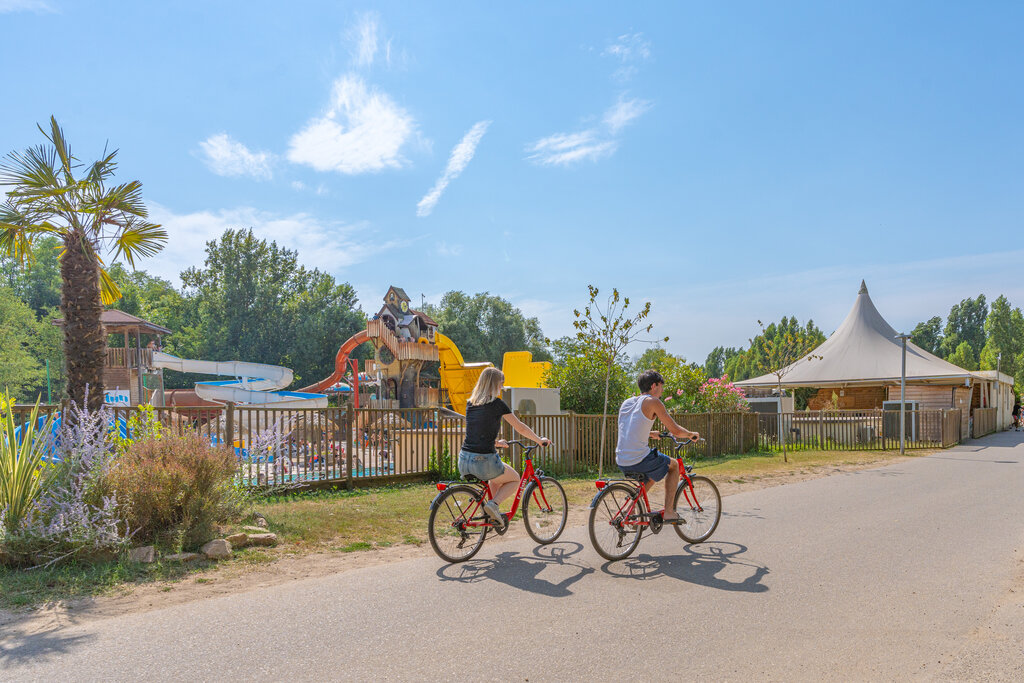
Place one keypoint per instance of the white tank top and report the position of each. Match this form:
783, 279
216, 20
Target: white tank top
634, 432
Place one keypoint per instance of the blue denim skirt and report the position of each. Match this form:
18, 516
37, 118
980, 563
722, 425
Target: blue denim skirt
483, 466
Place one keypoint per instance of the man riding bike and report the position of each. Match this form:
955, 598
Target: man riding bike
633, 452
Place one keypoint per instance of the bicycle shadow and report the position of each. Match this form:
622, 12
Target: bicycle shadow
18, 647
523, 572
700, 564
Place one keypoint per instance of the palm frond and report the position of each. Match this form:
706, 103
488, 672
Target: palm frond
62, 148
109, 290
139, 238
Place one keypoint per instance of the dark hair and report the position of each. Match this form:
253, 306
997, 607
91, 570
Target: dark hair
648, 378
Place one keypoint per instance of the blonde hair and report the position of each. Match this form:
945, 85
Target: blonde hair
488, 387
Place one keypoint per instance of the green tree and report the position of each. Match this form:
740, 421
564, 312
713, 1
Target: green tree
254, 302
607, 330
20, 371
928, 335
964, 357
714, 364
38, 285
751, 362
1004, 327
88, 216
485, 326
580, 374
966, 323
682, 380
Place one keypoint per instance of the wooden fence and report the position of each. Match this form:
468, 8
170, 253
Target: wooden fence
846, 430
983, 421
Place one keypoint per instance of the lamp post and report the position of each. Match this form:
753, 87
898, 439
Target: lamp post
903, 337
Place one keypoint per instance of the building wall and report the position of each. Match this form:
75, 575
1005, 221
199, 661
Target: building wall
849, 398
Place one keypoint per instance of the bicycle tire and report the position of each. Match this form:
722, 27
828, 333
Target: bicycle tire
620, 541
450, 542
700, 524
545, 526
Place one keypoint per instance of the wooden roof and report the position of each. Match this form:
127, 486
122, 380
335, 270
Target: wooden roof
118, 321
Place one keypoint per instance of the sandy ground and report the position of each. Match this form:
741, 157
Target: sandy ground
238, 578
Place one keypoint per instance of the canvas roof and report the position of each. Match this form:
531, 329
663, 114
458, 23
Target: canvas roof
863, 350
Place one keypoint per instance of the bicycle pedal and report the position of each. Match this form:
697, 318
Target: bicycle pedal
500, 529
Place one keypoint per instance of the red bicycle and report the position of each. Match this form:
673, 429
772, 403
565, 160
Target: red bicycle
458, 524
620, 511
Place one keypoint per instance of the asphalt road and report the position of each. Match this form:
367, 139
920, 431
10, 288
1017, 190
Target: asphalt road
907, 571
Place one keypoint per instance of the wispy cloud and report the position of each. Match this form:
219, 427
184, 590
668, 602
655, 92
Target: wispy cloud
448, 250
227, 157
38, 6
327, 245
362, 131
630, 49
461, 155
363, 39
563, 149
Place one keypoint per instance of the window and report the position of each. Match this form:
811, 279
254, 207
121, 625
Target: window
527, 407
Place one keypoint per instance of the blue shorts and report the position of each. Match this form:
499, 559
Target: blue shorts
483, 466
654, 465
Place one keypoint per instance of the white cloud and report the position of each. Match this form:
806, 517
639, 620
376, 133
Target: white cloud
624, 112
363, 37
298, 185
38, 6
228, 157
563, 149
327, 245
461, 155
629, 47
362, 131
447, 250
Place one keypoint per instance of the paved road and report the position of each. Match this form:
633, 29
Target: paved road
903, 571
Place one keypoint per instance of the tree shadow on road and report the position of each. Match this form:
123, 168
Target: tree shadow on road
524, 572
18, 648
700, 564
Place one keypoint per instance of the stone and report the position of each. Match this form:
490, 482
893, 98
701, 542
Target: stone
261, 521
257, 529
183, 557
263, 539
217, 549
144, 555
239, 540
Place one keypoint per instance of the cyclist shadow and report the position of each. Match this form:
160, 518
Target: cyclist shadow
700, 564
524, 572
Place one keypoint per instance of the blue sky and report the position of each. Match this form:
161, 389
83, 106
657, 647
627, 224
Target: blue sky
728, 162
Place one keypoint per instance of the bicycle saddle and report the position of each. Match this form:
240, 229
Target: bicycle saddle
636, 476
470, 478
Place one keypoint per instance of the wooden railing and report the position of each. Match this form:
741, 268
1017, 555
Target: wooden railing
983, 421
400, 349
128, 358
857, 429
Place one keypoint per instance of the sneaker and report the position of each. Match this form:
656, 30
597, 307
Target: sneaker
491, 508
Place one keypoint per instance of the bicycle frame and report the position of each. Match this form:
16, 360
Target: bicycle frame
626, 510
529, 474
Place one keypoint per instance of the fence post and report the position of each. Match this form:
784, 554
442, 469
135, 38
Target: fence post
570, 422
516, 453
349, 423
229, 425
439, 445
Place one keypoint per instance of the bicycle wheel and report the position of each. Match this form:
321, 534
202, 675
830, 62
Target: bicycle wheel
613, 535
545, 510
451, 536
701, 508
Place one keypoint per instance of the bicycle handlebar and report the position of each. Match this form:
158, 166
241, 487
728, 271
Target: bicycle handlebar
679, 444
522, 445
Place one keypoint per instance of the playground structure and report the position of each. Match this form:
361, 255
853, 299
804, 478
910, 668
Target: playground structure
404, 340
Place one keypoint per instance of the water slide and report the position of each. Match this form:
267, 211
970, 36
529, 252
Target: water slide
340, 362
457, 376
253, 383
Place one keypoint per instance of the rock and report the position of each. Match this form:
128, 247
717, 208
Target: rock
261, 521
183, 557
144, 555
238, 540
263, 539
257, 529
218, 549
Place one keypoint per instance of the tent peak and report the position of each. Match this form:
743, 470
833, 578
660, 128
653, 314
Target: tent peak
863, 288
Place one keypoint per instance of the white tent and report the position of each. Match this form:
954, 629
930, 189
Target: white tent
863, 351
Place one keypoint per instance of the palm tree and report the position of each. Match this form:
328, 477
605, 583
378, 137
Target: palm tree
90, 219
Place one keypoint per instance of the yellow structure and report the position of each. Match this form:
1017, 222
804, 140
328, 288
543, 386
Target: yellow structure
459, 377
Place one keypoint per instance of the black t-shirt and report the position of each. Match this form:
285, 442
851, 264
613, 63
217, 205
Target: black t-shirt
482, 425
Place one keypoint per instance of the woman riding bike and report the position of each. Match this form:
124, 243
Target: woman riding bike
478, 457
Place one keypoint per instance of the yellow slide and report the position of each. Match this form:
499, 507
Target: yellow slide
459, 377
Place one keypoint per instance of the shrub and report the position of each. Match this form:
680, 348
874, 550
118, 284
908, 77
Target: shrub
176, 489
443, 467
22, 448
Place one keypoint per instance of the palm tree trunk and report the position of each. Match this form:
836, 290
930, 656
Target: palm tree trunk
85, 339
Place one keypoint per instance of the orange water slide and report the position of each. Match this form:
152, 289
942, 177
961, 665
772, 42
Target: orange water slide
340, 362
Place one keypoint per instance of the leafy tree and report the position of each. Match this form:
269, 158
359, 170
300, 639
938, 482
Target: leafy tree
254, 302
485, 326
751, 361
1004, 327
580, 374
20, 371
682, 380
88, 216
966, 323
39, 285
964, 357
928, 335
607, 332
714, 365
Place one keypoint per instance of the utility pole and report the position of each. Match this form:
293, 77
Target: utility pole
903, 337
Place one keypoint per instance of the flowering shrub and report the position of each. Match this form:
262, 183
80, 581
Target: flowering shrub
719, 395
176, 489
